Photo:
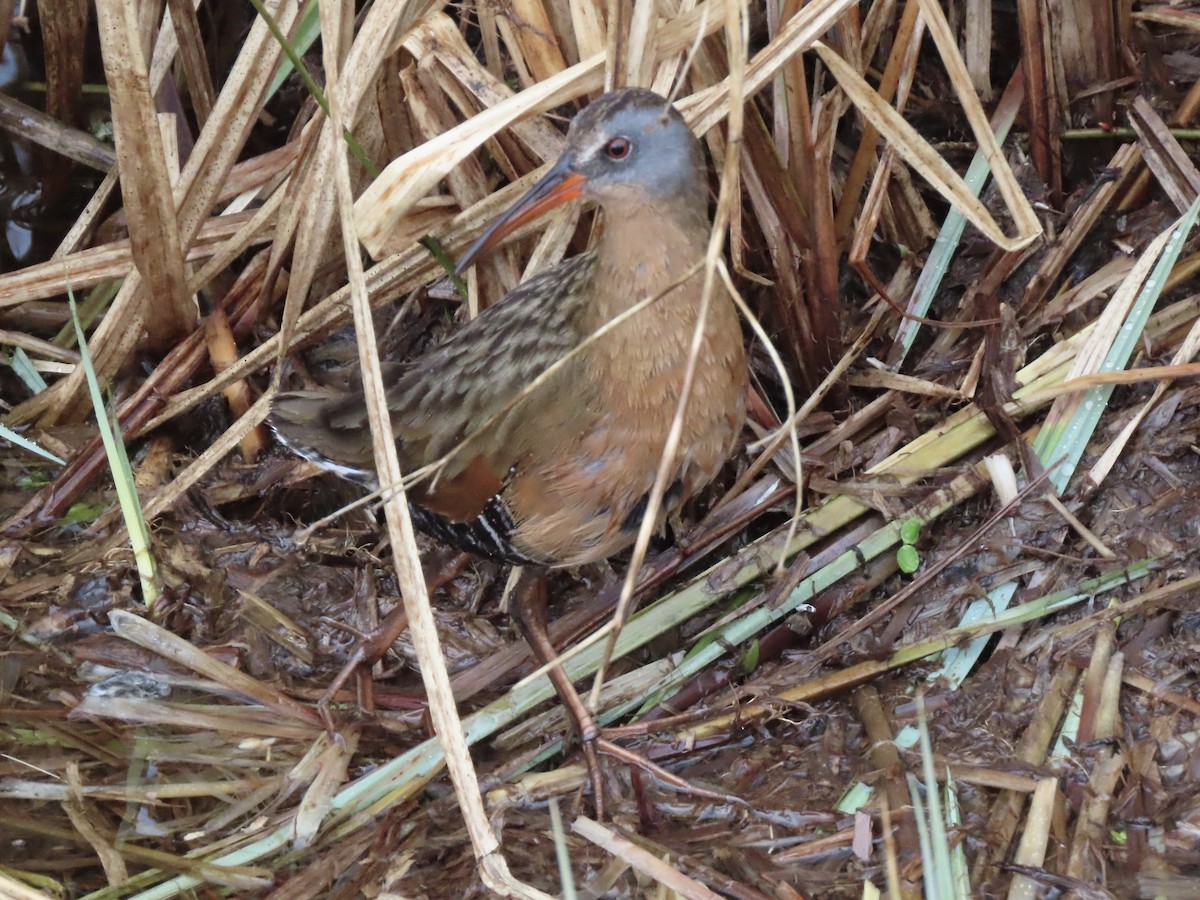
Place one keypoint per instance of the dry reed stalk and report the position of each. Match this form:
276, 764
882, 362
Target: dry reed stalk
1085, 42
1042, 99
50, 134
1108, 764
87, 268
647, 863
493, 867
192, 57
1167, 161
886, 759
1034, 744
63, 29
212, 158
906, 40
977, 45
1035, 835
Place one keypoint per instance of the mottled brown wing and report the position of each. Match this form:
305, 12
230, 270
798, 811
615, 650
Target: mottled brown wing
463, 390
466, 388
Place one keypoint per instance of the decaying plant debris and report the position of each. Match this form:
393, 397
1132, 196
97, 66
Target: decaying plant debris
1037, 411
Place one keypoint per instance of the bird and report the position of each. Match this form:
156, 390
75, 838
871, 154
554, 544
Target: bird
559, 474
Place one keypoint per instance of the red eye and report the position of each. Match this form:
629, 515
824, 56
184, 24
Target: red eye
617, 148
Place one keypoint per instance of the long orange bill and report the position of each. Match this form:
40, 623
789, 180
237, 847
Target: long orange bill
555, 188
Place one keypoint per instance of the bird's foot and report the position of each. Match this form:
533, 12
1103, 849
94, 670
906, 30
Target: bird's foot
638, 762
595, 776
370, 650
373, 646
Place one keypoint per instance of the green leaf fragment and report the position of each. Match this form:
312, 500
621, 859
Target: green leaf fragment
749, 660
80, 514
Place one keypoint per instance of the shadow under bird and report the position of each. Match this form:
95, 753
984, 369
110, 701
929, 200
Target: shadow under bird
560, 475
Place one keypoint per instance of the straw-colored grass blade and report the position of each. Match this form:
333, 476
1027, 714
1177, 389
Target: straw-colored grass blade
1167, 160
157, 245
35, 126
122, 474
662, 872
905, 140
535, 40
410, 177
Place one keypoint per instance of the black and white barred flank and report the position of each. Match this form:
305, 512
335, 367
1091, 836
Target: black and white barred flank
489, 535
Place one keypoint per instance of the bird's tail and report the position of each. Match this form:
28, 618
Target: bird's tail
329, 430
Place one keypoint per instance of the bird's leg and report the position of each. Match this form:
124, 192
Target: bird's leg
527, 605
368, 652
372, 649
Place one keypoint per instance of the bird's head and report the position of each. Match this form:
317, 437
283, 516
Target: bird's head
628, 149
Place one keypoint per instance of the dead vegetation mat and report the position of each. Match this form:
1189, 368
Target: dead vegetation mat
176, 747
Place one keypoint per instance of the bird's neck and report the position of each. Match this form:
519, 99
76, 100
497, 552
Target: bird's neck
643, 252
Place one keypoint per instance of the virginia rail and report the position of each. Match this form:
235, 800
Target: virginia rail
561, 476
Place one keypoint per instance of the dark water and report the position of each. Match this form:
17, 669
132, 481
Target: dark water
41, 192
